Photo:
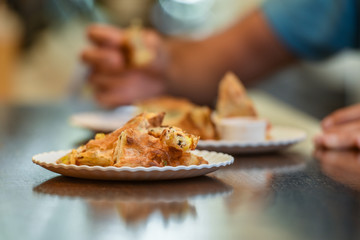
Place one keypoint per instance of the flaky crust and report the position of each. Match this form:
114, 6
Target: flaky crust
140, 142
198, 122
137, 54
232, 99
183, 114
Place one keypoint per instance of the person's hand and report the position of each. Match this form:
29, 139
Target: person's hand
188, 68
341, 129
114, 81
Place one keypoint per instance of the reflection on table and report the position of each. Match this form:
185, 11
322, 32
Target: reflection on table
244, 187
341, 166
136, 202
252, 176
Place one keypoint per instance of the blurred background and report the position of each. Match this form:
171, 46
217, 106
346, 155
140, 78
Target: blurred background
40, 42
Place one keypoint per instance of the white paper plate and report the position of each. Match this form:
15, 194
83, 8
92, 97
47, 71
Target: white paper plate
104, 121
282, 137
216, 160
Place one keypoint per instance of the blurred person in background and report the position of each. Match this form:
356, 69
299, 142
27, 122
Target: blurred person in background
275, 35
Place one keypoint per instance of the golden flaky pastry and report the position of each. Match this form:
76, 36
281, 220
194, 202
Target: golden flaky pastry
232, 99
140, 142
137, 53
183, 114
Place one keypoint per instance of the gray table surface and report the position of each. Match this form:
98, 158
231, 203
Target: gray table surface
285, 195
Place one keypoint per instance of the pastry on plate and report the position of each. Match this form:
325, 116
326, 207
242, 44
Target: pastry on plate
182, 113
235, 117
233, 100
142, 141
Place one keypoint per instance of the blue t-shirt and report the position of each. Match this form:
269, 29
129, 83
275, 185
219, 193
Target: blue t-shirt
315, 29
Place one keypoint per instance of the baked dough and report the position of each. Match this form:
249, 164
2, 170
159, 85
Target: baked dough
182, 113
232, 99
137, 54
140, 142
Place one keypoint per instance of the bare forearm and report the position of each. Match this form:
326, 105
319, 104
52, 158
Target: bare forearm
249, 48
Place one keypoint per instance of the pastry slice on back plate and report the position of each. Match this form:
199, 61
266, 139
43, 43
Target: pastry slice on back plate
232, 99
181, 113
236, 118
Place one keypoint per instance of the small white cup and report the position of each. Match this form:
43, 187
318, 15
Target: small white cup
242, 129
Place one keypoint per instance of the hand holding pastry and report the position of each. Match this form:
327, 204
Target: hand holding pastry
126, 65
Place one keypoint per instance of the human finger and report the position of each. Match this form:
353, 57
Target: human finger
337, 141
103, 59
127, 88
347, 127
339, 135
342, 116
105, 35
101, 81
